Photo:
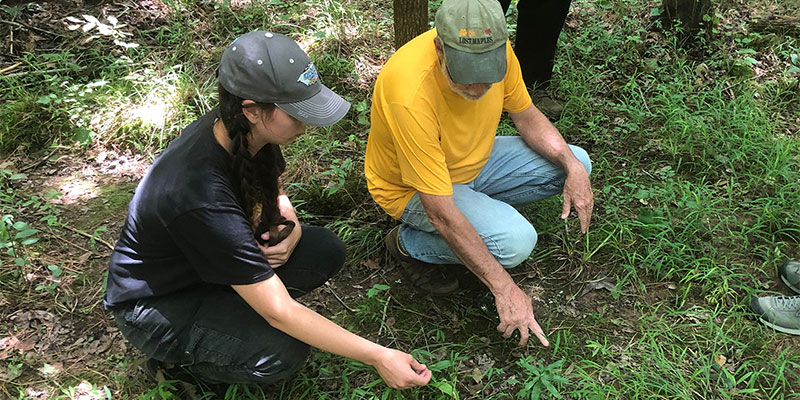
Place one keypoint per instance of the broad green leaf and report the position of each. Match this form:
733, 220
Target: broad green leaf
750, 61
29, 241
376, 289
551, 388
20, 226
25, 233
446, 388
440, 365
83, 136
21, 262
17, 176
55, 270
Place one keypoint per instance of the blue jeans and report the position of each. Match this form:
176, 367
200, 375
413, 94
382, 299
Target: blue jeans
513, 176
214, 335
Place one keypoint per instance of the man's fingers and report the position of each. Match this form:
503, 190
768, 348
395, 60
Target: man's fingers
584, 217
566, 206
509, 331
542, 339
537, 330
524, 335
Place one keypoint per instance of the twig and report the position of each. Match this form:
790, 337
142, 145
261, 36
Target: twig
404, 308
383, 316
37, 163
90, 236
328, 285
52, 234
14, 75
19, 25
9, 68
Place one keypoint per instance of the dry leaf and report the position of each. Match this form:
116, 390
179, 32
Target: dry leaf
720, 359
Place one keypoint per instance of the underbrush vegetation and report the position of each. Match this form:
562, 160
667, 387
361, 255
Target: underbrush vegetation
696, 173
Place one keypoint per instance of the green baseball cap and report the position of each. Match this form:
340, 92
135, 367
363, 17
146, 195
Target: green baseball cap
474, 35
271, 68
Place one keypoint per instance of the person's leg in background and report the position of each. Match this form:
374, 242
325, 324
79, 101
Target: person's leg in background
539, 24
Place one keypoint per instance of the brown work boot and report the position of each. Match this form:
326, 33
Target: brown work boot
549, 107
435, 279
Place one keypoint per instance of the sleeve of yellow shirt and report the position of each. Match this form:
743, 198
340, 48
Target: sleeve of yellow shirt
419, 153
516, 98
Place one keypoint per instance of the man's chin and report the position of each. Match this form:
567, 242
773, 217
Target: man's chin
471, 97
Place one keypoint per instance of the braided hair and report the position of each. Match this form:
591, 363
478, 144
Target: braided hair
256, 176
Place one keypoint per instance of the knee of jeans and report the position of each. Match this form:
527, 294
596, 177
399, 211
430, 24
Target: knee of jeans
518, 246
287, 361
583, 157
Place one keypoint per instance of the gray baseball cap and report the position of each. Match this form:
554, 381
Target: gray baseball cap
474, 36
271, 68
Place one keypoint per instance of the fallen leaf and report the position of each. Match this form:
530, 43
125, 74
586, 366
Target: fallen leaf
370, 264
49, 371
601, 281
477, 375
720, 359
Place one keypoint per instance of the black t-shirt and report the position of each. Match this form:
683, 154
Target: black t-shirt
185, 226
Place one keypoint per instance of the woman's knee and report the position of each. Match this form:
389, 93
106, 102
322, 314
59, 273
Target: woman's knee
327, 248
271, 367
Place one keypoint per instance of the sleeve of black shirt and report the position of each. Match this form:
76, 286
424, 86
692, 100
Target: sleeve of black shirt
219, 244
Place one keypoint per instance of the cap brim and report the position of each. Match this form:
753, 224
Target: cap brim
467, 68
322, 109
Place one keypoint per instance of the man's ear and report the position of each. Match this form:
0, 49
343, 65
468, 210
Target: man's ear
251, 113
439, 48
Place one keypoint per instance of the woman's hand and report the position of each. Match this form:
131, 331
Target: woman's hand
400, 370
278, 255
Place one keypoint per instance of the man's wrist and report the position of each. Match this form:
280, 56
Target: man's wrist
501, 285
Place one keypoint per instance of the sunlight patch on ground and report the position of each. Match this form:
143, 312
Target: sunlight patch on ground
159, 103
146, 115
76, 188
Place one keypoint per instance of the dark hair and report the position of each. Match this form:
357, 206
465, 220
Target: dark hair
256, 176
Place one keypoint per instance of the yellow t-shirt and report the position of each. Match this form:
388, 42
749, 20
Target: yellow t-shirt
425, 137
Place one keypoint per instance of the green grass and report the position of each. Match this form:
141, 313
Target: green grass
696, 175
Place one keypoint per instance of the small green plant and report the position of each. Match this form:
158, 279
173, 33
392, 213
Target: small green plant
98, 232
540, 379
340, 170
14, 236
55, 279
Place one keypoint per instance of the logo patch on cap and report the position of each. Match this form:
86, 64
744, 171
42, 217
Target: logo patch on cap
309, 75
470, 37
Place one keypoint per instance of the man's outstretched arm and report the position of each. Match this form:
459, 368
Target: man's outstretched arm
513, 305
541, 136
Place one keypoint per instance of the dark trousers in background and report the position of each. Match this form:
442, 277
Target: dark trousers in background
216, 336
539, 23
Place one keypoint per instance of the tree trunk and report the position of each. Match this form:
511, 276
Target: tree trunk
410, 20
777, 24
690, 13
